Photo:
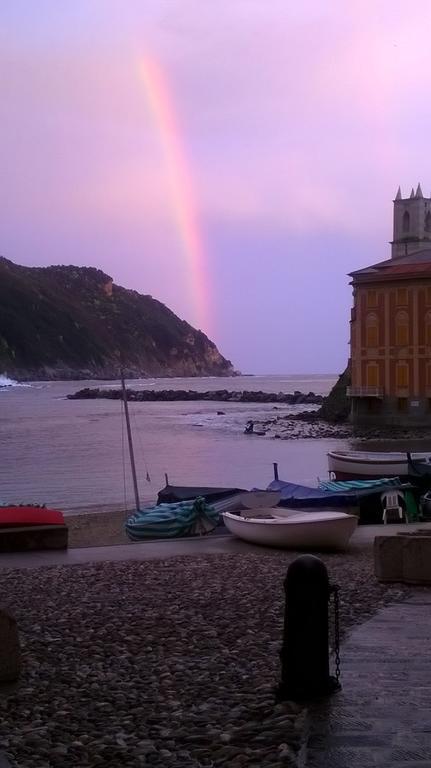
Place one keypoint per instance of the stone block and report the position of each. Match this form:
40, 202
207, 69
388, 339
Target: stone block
404, 557
388, 558
28, 538
10, 653
417, 560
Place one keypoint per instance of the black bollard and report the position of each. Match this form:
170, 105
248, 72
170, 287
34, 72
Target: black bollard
305, 650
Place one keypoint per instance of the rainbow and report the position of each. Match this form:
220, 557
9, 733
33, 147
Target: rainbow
162, 108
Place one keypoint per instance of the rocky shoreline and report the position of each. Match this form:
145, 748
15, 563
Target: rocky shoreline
218, 395
309, 425
163, 663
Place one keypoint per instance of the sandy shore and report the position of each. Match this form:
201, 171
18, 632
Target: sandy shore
97, 528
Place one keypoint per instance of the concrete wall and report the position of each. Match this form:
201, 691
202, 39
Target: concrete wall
375, 412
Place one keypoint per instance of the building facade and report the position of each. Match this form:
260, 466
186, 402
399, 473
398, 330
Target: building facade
390, 336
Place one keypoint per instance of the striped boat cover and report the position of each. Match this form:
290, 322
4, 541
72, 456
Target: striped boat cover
359, 485
167, 521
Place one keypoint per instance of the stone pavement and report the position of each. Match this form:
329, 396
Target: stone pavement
149, 550
162, 549
382, 716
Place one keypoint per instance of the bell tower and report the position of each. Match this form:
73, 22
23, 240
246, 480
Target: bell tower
412, 223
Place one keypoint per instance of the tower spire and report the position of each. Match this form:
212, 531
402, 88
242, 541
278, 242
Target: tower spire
399, 196
412, 193
419, 191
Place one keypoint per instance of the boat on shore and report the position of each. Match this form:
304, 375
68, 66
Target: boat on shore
358, 497
363, 465
302, 530
172, 494
167, 521
27, 527
21, 516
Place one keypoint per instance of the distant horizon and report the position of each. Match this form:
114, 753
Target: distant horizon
294, 376
181, 149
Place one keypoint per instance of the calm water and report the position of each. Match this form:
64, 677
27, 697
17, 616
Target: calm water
70, 453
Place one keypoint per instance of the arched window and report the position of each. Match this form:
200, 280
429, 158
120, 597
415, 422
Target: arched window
406, 221
372, 330
428, 222
402, 375
401, 329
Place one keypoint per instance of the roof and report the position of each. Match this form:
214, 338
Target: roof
407, 269
413, 264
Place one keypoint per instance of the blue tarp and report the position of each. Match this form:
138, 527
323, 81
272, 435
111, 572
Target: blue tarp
297, 496
300, 496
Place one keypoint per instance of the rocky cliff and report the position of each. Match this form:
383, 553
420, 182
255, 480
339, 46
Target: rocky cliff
66, 322
336, 406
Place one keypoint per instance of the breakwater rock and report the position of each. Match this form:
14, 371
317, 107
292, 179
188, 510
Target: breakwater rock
309, 424
301, 427
219, 395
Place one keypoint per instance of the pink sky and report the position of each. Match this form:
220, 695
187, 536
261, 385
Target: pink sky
293, 126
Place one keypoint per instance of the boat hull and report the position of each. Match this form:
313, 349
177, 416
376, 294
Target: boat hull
309, 530
12, 516
363, 465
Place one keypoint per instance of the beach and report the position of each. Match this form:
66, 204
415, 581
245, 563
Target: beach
99, 527
159, 662
164, 662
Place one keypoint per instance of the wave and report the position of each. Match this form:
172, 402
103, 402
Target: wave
6, 382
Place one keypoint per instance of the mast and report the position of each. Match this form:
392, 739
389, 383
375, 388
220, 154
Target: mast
129, 438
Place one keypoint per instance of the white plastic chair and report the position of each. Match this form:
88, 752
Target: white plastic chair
391, 502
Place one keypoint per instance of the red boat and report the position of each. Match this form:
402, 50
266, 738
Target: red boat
19, 516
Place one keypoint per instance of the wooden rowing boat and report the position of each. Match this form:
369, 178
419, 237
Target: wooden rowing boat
303, 530
362, 465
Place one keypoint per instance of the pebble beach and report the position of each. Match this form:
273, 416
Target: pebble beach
162, 663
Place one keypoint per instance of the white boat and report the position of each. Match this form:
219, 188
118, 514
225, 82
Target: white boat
362, 465
302, 530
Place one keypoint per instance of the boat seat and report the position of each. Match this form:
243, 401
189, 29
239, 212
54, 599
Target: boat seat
392, 505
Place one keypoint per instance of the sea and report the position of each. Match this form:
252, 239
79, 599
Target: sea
72, 454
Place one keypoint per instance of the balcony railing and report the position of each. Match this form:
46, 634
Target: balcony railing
365, 392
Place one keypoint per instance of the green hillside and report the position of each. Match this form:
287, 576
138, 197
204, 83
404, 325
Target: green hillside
73, 322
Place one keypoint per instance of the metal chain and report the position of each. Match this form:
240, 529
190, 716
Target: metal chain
335, 591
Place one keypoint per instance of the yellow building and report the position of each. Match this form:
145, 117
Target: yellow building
390, 333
